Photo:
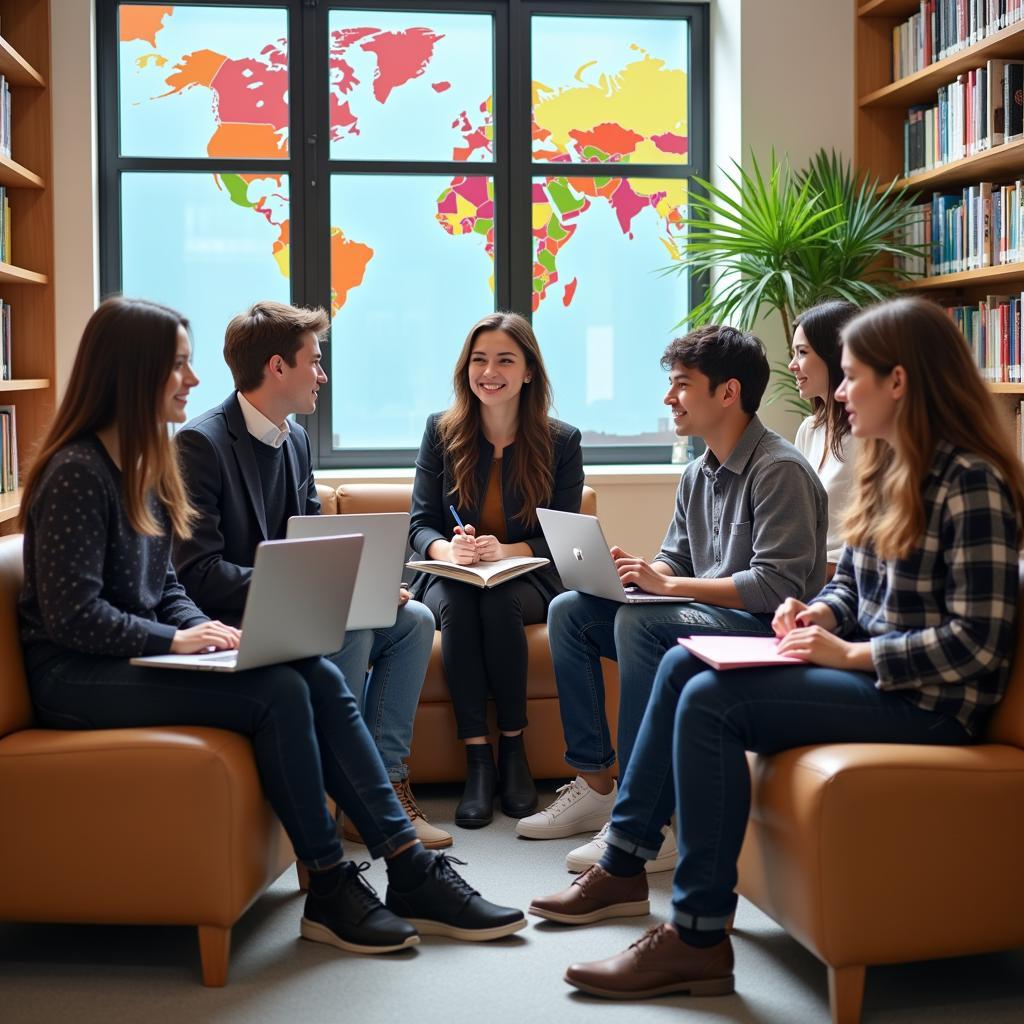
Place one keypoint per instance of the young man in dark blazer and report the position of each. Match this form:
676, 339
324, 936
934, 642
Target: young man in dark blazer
248, 468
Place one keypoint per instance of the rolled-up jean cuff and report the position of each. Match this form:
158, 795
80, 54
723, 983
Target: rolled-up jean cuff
589, 766
323, 863
395, 842
621, 842
704, 923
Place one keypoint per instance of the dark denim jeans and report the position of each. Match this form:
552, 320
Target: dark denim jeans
306, 730
690, 757
583, 629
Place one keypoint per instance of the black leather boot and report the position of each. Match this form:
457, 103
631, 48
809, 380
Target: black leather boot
518, 793
476, 808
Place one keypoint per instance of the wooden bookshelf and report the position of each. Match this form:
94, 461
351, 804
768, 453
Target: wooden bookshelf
880, 107
26, 282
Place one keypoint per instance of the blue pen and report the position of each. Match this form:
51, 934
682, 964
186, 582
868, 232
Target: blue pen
451, 508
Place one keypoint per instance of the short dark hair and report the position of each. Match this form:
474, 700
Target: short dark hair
723, 353
265, 330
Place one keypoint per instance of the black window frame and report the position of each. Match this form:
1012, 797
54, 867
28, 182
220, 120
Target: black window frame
309, 167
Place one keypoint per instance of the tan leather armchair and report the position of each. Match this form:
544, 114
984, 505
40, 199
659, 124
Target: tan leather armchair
437, 754
881, 854
127, 826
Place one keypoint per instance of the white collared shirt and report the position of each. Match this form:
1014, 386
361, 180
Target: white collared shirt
259, 426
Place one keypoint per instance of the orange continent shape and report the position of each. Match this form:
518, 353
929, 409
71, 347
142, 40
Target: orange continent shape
197, 68
139, 21
348, 267
258, 141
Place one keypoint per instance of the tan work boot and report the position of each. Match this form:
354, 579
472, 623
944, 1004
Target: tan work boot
658, 964
595, 895
430, 836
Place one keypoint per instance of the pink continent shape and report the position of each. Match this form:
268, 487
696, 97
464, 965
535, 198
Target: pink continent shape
401, 57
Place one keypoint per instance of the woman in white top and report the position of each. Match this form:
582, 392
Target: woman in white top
824, 438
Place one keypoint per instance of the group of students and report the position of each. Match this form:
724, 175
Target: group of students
136, 544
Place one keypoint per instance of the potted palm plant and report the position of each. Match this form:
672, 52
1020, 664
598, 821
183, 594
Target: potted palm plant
781, 241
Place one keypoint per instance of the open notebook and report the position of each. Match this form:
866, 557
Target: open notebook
724, 652
483, 574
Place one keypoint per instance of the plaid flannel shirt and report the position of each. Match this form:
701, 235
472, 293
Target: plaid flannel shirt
941, 621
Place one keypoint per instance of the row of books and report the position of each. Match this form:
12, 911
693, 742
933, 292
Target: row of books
5, 116
992, 329
6, 370
982, 109
8, 450
944, 27
980, 226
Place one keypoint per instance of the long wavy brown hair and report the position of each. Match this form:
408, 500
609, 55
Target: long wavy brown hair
945, 399
532, 473
120, 372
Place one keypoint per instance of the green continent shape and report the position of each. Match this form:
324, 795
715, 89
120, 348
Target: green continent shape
563, 198
237, 189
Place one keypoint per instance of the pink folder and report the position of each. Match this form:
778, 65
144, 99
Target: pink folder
724, 652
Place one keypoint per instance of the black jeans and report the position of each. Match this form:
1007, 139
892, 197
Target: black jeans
483, 648
306, 730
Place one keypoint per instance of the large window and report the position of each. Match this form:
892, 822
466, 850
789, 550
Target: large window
411, 167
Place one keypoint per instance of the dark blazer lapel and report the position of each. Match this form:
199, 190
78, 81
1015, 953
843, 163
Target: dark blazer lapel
242, 446
293, 505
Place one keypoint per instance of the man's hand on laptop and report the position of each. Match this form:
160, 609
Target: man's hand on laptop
212, 635
638, 572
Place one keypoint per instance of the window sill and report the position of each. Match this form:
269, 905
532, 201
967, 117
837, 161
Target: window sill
597, 476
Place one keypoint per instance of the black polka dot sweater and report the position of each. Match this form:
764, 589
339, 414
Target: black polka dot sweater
94, 585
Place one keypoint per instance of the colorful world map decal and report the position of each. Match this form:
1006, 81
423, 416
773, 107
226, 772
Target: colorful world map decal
636, 114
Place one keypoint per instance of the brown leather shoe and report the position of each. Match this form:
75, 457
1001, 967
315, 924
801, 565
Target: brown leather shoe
432, 837
594, 896
658, 964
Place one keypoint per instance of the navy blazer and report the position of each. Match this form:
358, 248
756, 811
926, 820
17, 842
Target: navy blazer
217, 460
433, 492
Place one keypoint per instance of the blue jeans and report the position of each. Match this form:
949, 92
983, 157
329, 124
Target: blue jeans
388, 695
690, 757
307, 736
583, 629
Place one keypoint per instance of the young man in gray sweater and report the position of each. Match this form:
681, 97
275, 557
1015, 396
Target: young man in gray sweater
748, 531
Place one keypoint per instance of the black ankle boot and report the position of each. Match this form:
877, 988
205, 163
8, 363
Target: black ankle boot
476, 808
518, 793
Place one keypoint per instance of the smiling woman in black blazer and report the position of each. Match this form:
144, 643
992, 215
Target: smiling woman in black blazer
496, 455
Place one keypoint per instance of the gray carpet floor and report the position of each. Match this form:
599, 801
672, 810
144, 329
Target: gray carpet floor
108, 975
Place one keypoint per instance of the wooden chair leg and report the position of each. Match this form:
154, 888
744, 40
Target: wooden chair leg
846, 993
214, 952
303, 872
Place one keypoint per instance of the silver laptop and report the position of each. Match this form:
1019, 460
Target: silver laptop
298, 602
386, 537
584, 561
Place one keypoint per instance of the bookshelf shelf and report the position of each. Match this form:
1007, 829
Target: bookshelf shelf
26, 174
10, 504
966, 279
13, 175
923, 84
888, 8
1006, 389
16, 69
10, 274
1006, 161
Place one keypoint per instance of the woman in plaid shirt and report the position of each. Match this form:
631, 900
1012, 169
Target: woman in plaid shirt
909, 643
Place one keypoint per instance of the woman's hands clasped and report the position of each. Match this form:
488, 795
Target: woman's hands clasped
204, 637
805, 632
468, 549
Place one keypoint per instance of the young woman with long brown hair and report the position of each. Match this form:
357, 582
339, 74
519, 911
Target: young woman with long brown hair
909, 643
101, 505
495, 455
824, 438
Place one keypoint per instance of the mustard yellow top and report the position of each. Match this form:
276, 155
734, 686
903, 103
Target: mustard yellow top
492, 509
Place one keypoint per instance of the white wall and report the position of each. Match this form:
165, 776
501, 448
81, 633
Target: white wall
782, 76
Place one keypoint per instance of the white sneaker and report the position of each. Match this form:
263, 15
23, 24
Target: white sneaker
590, 853
577, 808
